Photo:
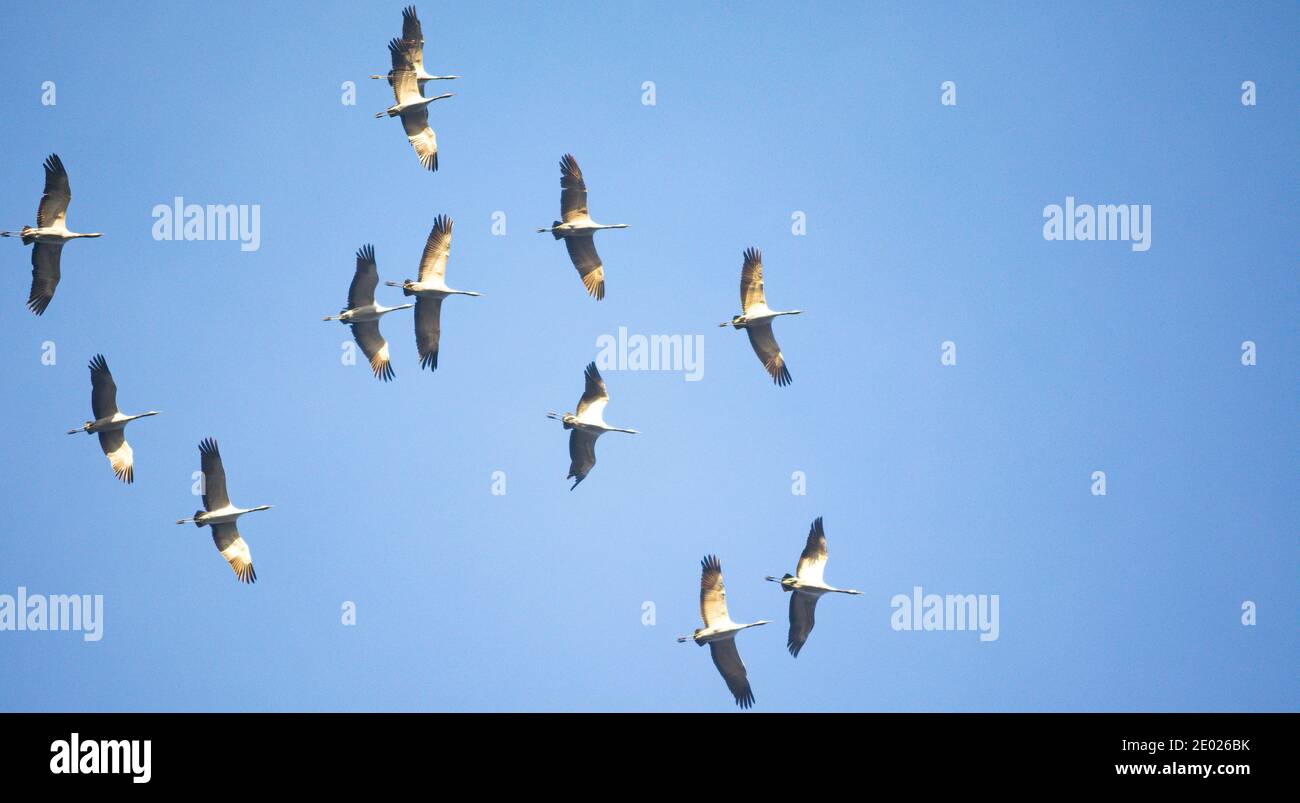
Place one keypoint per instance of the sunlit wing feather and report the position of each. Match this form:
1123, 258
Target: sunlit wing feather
573, 190
53, 209
812, 561
713, 595
433, 263
582, 252
373, 345
769, 353
594, 396
119, 454
235, 550
751, 281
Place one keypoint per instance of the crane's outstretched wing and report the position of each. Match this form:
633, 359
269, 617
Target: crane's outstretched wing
119, 454
411, 31
416, 124
751, 281
812, 561
768, 351
413, 39
727, 659
361, 293
400, 55
582, 455
802, 610
45, 275
713, 594
433, 263
103, 390
53, 210
373, 345
582, 253
573, 190
428, 330
214, 476
235, 550
594, 396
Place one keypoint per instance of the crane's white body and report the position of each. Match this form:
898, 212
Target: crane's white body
590, 420
584, 227
757, 315
110, 423
438, 290
720, 632
807, 585
58, 233
222, 515
813, 589
369, 312
409, 105
49, 235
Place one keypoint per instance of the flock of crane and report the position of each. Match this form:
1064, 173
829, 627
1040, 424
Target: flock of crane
362, 314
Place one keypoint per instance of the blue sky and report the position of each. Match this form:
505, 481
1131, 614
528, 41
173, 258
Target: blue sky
924, 224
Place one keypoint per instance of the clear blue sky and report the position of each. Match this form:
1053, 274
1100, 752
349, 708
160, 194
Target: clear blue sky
923, 225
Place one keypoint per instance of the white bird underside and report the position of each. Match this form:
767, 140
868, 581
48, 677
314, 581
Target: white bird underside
719, 632
430, 289
756, 318
586, 425
48, 236
807, 586
363, 314
110, 423
221, 514
577, 228
412, 106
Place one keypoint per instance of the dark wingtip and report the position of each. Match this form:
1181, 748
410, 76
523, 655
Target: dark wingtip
711, 563
783, 377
